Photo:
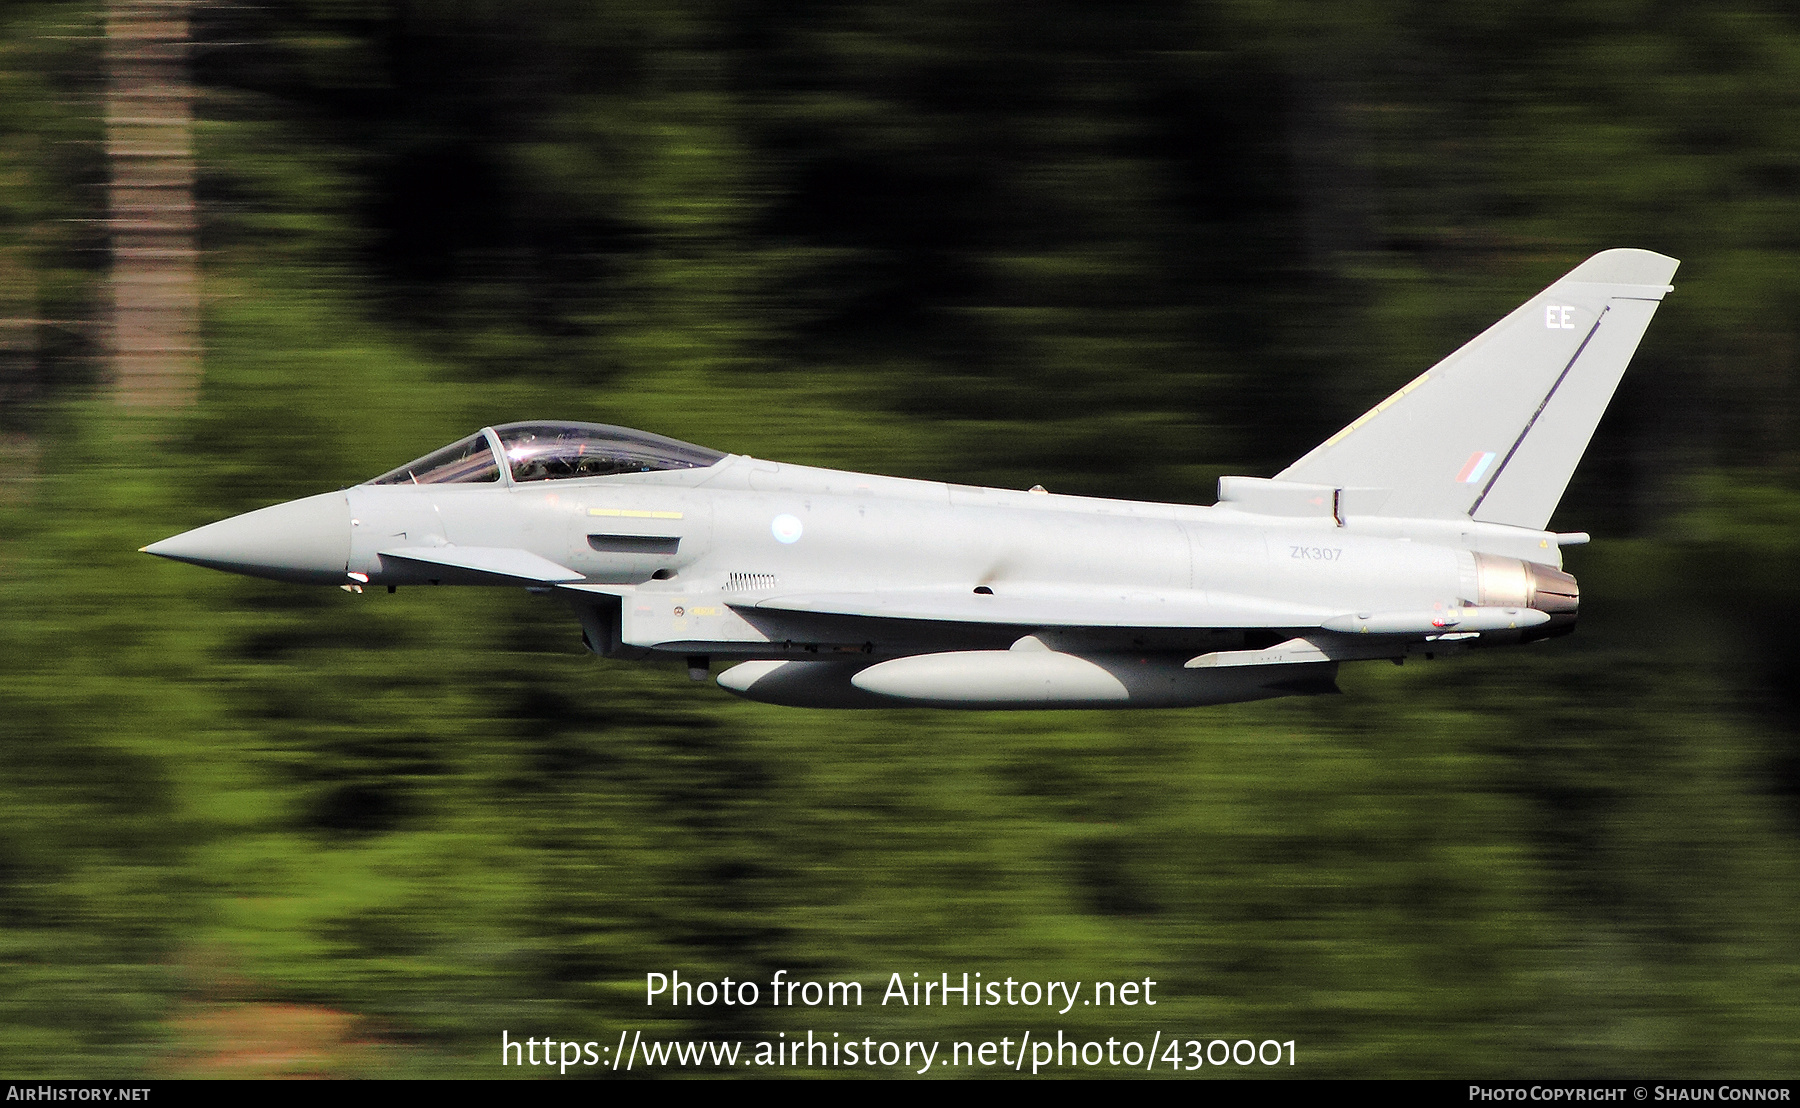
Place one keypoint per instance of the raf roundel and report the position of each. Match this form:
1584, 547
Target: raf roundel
786, 528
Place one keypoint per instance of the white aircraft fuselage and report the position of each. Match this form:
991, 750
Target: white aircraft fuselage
1418, 530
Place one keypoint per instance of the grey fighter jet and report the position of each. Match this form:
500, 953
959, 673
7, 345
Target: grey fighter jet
1419, 529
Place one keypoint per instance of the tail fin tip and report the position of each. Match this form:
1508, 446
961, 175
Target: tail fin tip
1625, 266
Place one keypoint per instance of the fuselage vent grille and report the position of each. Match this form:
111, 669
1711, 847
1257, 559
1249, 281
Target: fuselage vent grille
749, 582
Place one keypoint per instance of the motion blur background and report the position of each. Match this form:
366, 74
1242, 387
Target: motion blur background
1116, 248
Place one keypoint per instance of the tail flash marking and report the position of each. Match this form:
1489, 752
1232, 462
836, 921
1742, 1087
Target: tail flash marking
1476, 466
1545, 403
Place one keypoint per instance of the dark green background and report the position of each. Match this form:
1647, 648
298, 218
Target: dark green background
1117, 248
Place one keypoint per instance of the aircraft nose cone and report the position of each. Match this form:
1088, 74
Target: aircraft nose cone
306, 541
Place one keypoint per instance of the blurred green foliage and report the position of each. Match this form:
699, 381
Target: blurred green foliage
1115, 248
52, 240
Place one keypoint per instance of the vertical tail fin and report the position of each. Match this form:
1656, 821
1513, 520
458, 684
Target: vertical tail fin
1494, 431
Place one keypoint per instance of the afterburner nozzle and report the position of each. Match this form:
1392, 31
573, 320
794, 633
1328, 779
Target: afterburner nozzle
1511, 582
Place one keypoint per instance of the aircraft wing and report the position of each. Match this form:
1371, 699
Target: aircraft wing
1051, 606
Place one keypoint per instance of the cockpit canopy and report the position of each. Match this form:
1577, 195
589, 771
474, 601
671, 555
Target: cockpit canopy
470, 459
549, 452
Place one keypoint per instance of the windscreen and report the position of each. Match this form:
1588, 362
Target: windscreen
553, 451
469, 459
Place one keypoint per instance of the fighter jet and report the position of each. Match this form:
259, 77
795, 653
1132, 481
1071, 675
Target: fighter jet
1419, 529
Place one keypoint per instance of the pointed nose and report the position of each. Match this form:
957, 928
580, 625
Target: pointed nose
306, 541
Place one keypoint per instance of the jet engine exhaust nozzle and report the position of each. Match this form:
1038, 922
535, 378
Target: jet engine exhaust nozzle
1514, 583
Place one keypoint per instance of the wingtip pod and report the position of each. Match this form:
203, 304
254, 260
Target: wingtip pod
1437, 622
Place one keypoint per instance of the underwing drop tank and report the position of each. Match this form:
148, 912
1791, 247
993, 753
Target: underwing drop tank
1013, 679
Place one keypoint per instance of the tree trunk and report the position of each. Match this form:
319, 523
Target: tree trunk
155, 345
